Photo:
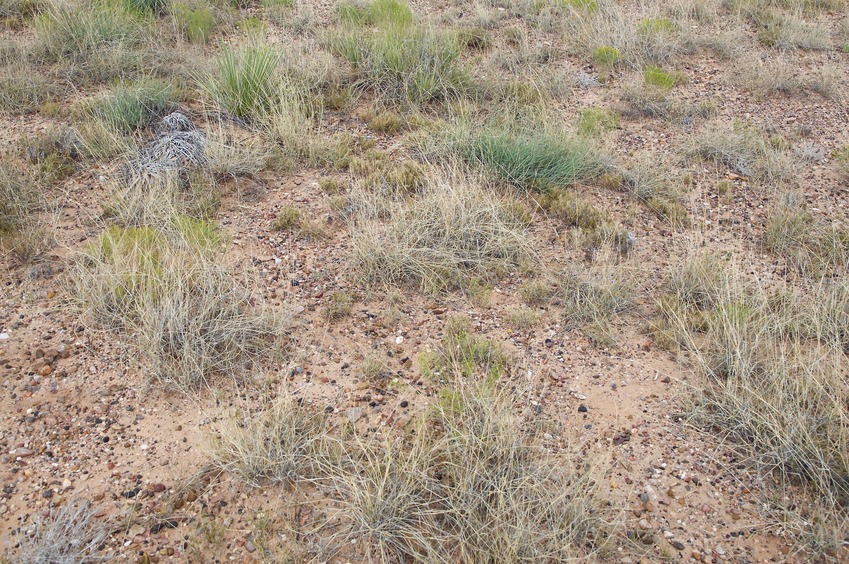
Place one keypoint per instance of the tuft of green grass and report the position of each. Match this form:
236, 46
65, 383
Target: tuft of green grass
606, 56
243, 82
657, 78
130, 106
197, 24
535, 161
593, 121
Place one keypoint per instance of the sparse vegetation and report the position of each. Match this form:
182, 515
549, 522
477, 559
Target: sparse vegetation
419, 270
744, 151
98, 41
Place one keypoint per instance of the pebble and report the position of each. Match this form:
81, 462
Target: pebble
678, 545
720, 550
4, 336
582, 408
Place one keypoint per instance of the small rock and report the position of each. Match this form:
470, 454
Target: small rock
678, 545
720, 550
158, 488
582, 408
21, 452
249, 545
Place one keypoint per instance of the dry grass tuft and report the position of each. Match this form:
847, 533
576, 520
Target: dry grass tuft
773, 370
192, 318
744, 151
70, 534
476, 487
457, 228
814, 248
283, 442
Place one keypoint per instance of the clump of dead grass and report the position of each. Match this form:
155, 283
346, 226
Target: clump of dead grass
479, 488
744, 151
457, 227
283, 442
773, 377
192, 318
69, 534
813, 247
400, 60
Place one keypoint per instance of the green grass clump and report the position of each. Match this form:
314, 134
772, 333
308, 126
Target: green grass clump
606, 57
288, 218
197, 24
538, 161
655, 26
597, 120
464, 354
657, 78
379, 12
129, 107
243, 83
98, 40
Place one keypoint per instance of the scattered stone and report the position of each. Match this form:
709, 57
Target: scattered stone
678, 545
582, 408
